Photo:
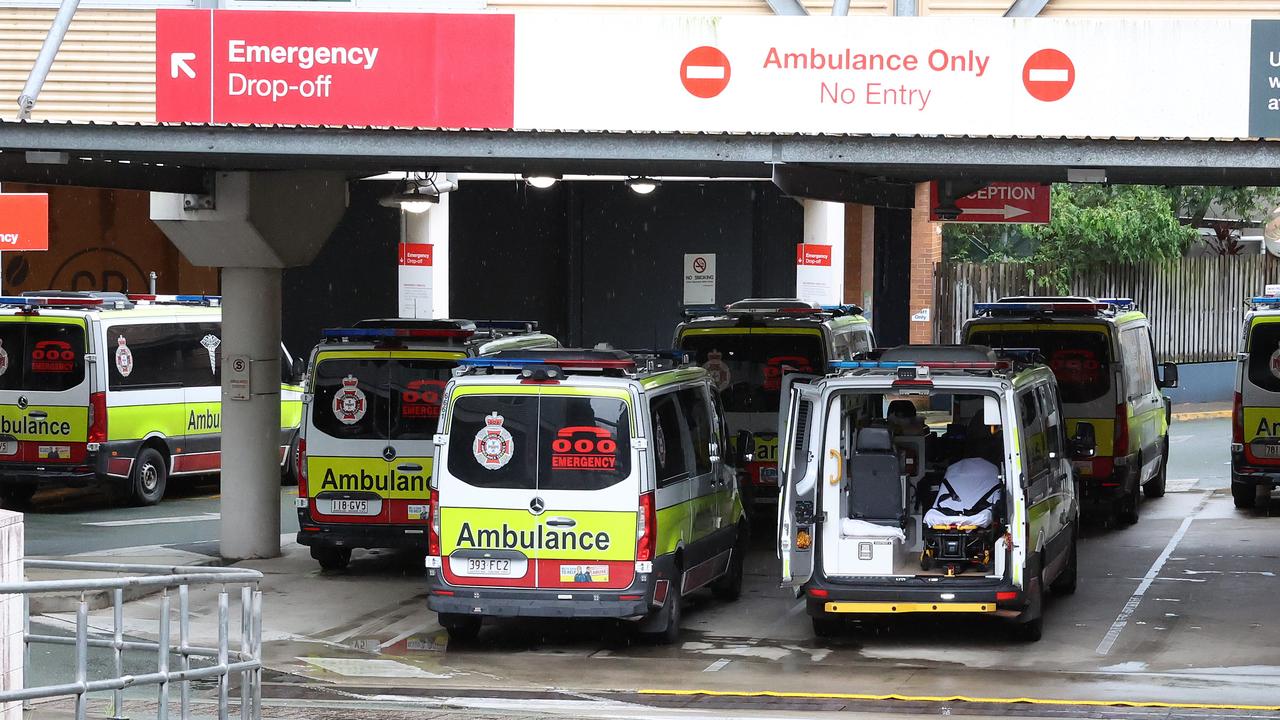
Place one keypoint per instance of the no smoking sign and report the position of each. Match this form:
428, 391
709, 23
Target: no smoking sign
705, 72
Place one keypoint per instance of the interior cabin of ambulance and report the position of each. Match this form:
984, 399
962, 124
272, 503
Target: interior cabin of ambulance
918, 485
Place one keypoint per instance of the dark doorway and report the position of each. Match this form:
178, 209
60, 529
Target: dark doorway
891, 307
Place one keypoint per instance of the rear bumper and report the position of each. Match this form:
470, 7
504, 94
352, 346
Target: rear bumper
1245, 473
978, 597
50, 476
339, 535
1105, 489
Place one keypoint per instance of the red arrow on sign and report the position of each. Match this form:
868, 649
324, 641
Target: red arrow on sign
998, 203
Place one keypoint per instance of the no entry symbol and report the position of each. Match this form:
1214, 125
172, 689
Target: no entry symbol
699, 265
1049, 75
705, 72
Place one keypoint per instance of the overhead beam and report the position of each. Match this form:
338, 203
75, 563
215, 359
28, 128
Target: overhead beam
1025, 8
817, 183
787, 7
103, 174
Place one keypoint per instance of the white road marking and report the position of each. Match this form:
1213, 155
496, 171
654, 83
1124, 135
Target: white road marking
406, 635
1049, 75
1122, 619
704, 72
202, 517
717, 666
1181, 484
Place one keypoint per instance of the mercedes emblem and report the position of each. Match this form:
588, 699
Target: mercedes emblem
536, 506
22, 402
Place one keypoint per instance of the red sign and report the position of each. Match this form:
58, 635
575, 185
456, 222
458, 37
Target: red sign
415, 254
24, 222
327, 68
705, 72
813, 255
998, 203
1049, 75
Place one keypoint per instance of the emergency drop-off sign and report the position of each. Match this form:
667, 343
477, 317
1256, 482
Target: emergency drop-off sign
24, 222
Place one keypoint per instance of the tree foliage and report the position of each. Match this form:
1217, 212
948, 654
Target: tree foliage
1224, 210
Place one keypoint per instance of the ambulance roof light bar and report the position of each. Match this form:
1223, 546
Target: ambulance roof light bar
1043, 308
1265, 301
384, 333
929, 364
206, 300
516, 363
31, 303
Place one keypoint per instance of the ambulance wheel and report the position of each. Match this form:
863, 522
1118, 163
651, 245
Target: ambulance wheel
673, 609
1127, 507
1154, 487
729, 587
1030, 624
461, 628
17, 497
1245, 496
289, 473
148, 478
331, 558
826, 627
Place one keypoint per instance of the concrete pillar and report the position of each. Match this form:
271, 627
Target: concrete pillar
255, 224
926, 253
250, 525
824, 224
11, 620
431, 227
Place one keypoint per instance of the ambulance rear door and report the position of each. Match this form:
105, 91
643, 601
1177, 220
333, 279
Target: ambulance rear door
417, 380
1260, 391
44, 388
798, 505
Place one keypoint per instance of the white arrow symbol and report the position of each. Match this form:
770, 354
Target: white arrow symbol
178, 61
1008, 211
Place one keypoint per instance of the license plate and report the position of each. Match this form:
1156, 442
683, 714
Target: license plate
8, 447
348, 506
488, 567
1266, 450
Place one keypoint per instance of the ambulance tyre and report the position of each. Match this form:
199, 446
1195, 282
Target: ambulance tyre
826, 627
1030, 624
675, 615
1154, 487
729, 587
1127, 507
289, 473
1065, 583
331, 558
148, 478
1244, 495
461, 628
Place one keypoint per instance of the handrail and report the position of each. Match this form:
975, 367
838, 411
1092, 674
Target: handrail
246, 660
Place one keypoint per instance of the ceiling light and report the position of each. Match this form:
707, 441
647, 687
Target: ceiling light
413, 195
542, 182
642, 185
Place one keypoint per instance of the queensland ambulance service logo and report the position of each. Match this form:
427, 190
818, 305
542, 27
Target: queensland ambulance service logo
717, 369
124, 358
493, 446
349, 403
4, 359
1274, 363
211, 342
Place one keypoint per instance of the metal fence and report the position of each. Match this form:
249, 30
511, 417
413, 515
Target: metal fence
1196, 305
221, 663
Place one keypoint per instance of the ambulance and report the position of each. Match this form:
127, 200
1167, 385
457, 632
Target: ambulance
583, 484
373, 397
749, 346
1103, 356
1255, 416
126, 391
930, 480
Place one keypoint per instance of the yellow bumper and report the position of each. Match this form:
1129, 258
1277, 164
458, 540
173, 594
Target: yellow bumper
908, 607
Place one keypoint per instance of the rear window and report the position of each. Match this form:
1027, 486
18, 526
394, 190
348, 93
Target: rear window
41, 356
379, 398
1081, 360
1264, 356
528, 442
748, 369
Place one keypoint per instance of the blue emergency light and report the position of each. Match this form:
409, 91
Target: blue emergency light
846, 309
1255, 301
870, 364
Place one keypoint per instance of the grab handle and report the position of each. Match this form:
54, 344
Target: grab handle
836, 457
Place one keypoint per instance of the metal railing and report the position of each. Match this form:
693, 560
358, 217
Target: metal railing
246, 661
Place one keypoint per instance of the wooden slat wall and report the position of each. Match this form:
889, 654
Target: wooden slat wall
1195, 305
104, 71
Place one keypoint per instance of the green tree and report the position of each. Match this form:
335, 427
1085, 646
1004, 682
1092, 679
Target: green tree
1224, 210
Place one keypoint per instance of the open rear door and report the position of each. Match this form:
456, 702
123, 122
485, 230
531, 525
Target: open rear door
798, 467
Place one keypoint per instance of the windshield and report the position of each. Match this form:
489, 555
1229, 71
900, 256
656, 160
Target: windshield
40, 356
548, 443
1080, 359
748, 368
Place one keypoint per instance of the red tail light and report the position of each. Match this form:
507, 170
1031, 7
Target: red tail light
97, 417
646, 528
301, 459
433, 531
1237, 419
1121, 444
1006, 595
819, 593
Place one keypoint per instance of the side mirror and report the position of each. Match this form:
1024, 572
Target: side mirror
745, 451
299, 369
1169, 375
1084, 444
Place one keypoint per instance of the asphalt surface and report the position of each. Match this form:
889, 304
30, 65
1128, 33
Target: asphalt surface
1178, 609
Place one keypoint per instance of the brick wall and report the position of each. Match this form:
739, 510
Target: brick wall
926, 251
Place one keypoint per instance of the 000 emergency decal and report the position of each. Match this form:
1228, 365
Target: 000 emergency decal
493, 445
584, 447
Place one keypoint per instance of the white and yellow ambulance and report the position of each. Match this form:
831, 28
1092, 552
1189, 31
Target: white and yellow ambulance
1255, 416
373, 398
99, 387
585, 484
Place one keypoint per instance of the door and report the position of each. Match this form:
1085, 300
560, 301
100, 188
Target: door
1037, 478
417, 382
673, 473
44, 389
1060, 508
1258, 381
348, 430
797, 510
1142, 395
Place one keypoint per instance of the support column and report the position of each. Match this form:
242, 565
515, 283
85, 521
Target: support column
432, 228
250, 525
926, 253
820, 280
859, 255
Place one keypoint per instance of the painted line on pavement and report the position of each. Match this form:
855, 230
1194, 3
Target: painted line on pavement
202, 517
960, 698
717, 666
1131, 606
1202, 415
